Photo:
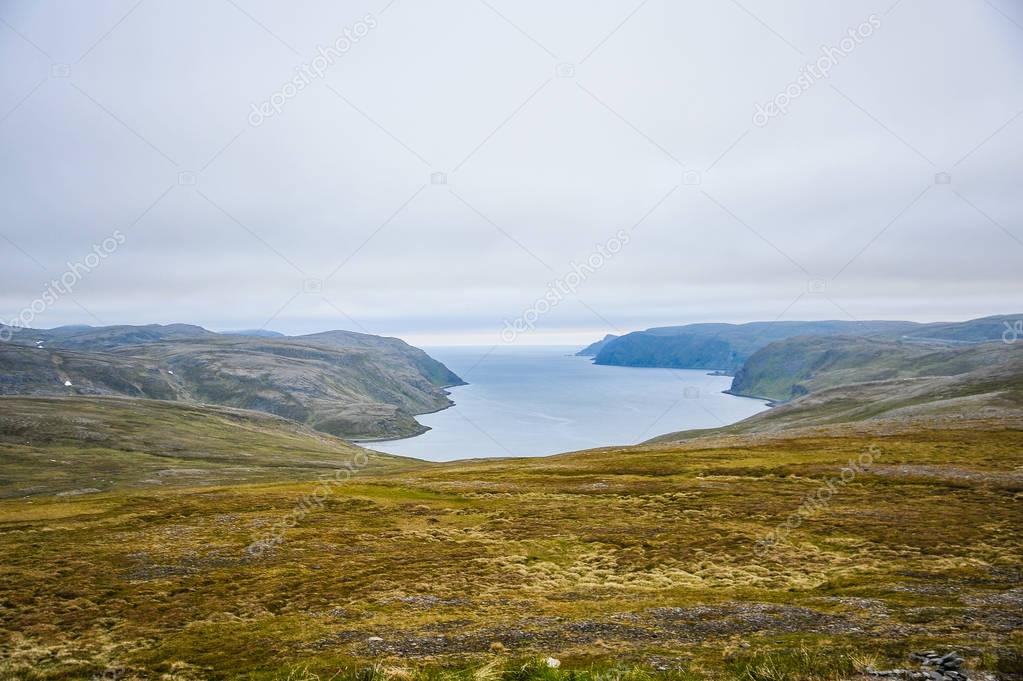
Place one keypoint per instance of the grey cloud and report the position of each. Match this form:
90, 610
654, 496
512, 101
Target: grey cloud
540, 168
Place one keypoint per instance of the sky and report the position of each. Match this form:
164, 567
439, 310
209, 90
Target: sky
508, 171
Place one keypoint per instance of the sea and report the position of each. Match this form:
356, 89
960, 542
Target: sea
538, 401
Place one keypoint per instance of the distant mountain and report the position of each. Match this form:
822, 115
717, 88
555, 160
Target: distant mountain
721, 346
592, 349
727, 346
981, 330
347, 384
104, 338
73, 327
258, 333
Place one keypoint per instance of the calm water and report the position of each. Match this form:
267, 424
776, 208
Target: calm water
538, 401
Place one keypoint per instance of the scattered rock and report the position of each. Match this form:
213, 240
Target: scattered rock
425, 601
933, 667
78, 492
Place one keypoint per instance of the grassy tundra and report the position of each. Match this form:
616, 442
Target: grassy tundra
750, 557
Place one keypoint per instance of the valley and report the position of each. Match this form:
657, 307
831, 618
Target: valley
643, 558
871, 514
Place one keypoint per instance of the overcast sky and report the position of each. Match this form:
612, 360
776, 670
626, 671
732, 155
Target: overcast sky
454, 159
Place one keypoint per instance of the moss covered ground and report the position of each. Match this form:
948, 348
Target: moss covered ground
797, 558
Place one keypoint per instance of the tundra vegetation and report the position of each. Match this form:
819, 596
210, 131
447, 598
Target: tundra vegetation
618, 563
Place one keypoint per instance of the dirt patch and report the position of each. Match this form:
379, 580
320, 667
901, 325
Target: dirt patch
660, 626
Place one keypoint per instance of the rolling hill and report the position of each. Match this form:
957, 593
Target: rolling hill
102, 338
343, 383
71, 446
796, 366
846, 385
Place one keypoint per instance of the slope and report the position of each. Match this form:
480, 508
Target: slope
342, 383
72, 445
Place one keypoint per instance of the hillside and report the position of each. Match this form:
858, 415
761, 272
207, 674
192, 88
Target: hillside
101, 338
394, 349
26, 370
796, 366
592, 349
980, 330
852, 385
726, 347
699, 561
343, 383
69, 446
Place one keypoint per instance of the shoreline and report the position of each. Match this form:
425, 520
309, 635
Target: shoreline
770, 401
425, 429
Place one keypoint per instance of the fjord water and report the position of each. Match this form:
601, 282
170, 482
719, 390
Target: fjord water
534, 401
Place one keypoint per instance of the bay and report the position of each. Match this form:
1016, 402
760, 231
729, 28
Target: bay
536, 401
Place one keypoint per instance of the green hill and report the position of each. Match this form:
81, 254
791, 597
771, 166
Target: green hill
794, 367
86, 445
854, 383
